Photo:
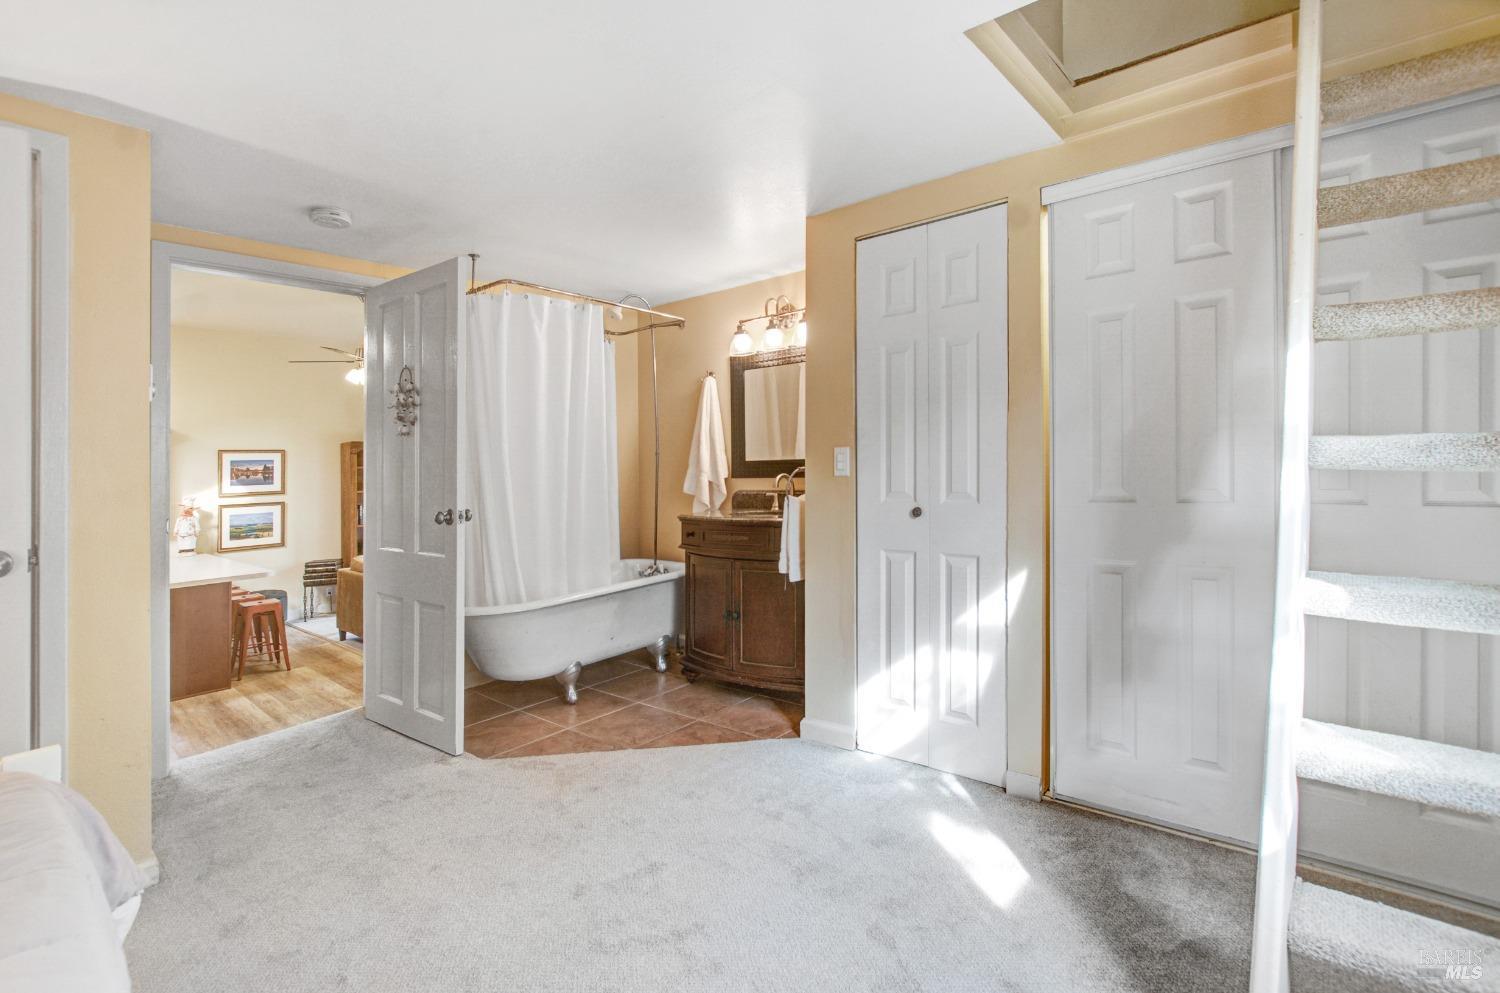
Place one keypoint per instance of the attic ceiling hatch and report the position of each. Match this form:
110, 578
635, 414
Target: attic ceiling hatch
1085, 65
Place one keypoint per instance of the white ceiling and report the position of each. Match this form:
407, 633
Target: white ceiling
669, 147
232, 303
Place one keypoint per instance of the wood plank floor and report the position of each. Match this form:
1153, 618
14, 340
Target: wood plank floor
326, 678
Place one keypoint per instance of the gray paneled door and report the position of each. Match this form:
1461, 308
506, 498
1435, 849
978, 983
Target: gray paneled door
16, 716
414, 596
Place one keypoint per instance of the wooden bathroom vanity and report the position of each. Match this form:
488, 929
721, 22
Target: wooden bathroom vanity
744, 618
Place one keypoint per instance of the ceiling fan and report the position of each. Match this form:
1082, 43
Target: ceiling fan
356, 357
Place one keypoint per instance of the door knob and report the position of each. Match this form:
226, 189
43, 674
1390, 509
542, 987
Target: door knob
916, 512
468, 514
6, 563
443, 517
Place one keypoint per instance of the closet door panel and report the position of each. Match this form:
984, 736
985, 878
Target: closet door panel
895, 657
966, 531
1163, 368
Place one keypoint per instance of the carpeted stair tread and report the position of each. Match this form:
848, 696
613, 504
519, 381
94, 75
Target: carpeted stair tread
1341, 942
1452, 185
1429, 452
1442, 604
1415, 81
1429, 313
1463, 779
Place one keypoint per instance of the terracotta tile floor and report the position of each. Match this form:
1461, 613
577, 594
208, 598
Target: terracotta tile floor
622, 703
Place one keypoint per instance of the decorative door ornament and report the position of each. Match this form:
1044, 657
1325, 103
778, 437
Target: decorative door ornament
407, 400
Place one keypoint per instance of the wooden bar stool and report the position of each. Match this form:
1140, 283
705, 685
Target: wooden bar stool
238, 598
262, 634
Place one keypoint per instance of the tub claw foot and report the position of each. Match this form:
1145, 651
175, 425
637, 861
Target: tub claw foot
569, 680
663, 644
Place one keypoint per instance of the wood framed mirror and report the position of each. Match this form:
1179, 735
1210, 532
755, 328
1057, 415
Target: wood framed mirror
767, 400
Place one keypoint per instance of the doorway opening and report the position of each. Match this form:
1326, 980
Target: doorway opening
258, 498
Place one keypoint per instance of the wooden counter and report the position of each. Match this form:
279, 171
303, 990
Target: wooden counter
200, 617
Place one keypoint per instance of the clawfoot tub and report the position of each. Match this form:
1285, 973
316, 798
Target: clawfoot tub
558, 637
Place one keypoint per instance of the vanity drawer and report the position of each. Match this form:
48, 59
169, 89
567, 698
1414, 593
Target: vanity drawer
731, 539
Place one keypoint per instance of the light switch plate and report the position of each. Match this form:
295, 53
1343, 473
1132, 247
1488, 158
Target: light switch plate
841, 461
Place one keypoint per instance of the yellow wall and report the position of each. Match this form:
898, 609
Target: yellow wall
109, 675
279, 253
236, 390
830, 390
683, 356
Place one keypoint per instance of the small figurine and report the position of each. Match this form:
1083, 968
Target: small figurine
187, 528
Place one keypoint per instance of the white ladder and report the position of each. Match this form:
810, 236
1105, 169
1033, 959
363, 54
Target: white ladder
1426, 772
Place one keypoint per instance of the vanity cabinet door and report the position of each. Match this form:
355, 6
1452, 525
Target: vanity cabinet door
769, 624
709, 585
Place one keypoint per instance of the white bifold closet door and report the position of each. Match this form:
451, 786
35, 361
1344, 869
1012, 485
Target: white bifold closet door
414, 568
1165, 355
931, 406
1439, 685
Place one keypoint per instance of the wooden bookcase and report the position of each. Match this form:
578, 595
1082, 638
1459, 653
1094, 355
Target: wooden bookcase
351, 500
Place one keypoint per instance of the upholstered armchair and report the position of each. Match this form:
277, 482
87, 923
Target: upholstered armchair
349, 599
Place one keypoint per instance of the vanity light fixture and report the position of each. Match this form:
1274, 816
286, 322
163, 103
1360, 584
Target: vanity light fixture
355, 376
781, 317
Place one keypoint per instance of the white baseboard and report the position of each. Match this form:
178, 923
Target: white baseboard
151, 868
827, 733
1023, 785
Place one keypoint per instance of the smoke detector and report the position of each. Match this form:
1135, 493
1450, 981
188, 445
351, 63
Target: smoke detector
330, 217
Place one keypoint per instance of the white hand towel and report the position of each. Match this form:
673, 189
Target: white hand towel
708, 465
792, 546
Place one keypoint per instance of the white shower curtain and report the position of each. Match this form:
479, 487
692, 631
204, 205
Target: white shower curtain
543, 465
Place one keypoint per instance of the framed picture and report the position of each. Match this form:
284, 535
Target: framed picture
251, 473
244, 526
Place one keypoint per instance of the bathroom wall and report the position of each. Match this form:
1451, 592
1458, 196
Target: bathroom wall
237, 390
683, 357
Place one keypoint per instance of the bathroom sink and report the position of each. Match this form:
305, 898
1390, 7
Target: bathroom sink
755, 503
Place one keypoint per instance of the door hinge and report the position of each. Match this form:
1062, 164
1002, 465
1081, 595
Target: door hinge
33, 559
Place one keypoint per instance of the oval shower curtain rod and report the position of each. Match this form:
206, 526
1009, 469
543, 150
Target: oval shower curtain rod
658, 319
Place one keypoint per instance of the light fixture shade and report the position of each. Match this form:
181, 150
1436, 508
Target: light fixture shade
356, 375
799, 336
773, 338
741, 344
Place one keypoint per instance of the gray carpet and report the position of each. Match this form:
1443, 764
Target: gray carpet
340, 856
